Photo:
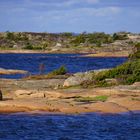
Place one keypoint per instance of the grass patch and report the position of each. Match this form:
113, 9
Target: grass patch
102, 98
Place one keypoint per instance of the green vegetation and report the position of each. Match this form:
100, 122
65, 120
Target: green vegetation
136, 54
119, 36
102, 98
99, 38
127, 73
79, 39
66, 34
16, 36
96, 83
10, 35
60, 71
42, 41
92, 38
29, 46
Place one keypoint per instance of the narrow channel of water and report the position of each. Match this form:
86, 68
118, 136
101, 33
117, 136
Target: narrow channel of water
73, 62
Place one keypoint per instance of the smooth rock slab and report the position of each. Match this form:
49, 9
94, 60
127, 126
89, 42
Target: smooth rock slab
28, 94
9, 71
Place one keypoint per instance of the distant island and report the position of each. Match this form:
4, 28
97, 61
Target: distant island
96, 43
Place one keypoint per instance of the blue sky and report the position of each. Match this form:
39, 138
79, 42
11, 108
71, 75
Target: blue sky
70, 15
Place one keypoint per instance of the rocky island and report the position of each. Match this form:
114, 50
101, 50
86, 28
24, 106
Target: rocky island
97, 44
106, 91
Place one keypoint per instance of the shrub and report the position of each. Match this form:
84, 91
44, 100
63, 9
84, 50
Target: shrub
136, 52
99, 38
119, 36
60, 71
31, 47
28, 46
126, 73
10, 35
79, 39
86, 84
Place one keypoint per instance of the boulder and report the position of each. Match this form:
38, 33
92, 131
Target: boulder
78, 78
0, 95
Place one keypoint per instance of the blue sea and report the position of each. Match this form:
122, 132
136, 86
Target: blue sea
70, 127
73, 62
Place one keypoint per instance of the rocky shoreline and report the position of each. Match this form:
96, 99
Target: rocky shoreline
19, 98
84, 53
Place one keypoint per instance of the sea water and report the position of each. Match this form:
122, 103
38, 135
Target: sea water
73, 62
92, 126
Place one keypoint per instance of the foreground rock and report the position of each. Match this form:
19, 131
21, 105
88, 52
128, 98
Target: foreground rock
36, 95
64, 100
9, 71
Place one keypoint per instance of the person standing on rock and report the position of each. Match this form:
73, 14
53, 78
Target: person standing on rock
0, 95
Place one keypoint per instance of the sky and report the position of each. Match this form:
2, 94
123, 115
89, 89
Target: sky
70, 16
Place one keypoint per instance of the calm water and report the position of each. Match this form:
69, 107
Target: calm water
73, 62
70, 127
